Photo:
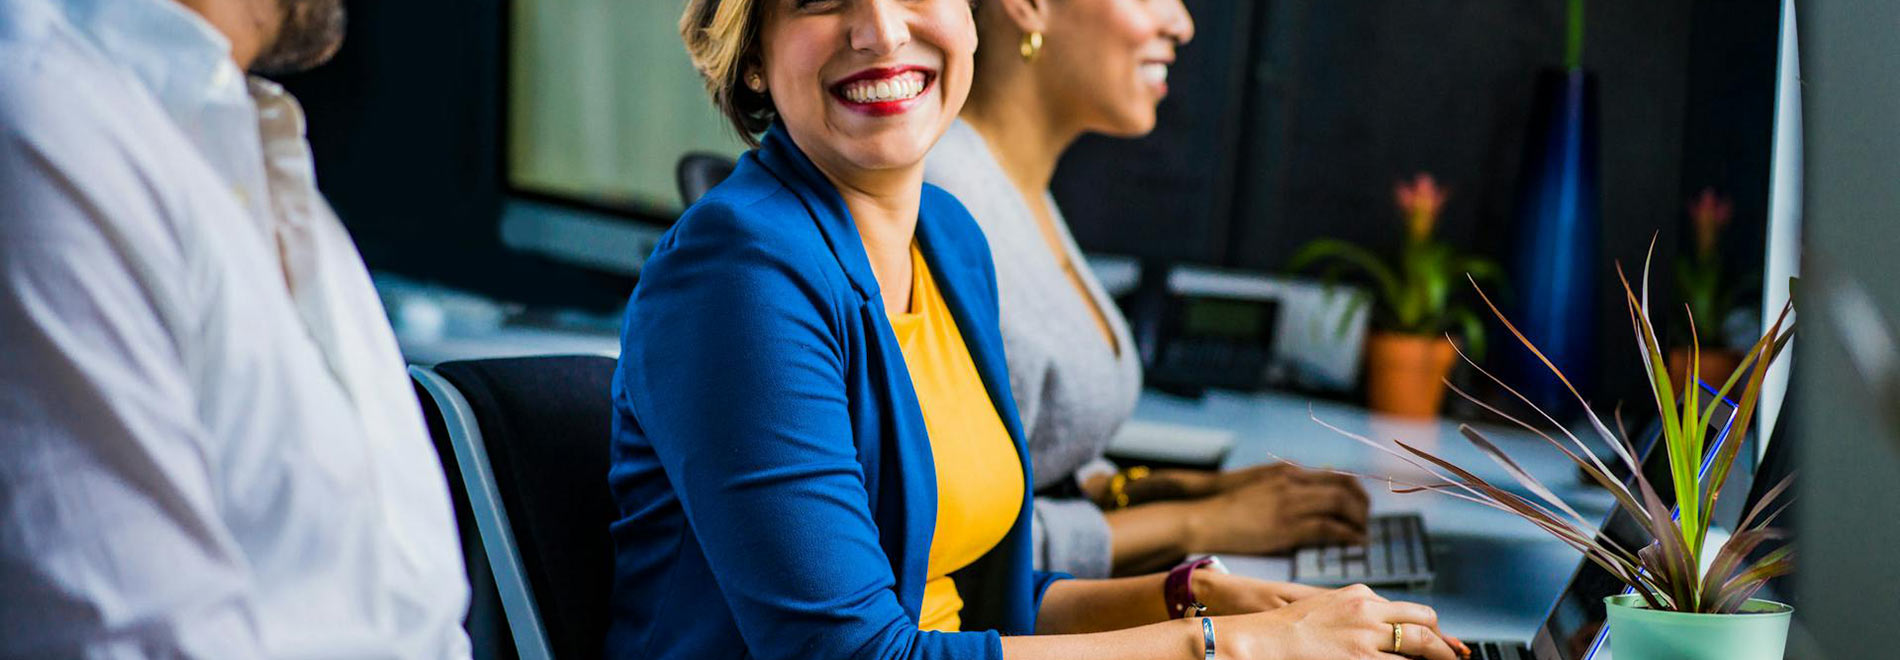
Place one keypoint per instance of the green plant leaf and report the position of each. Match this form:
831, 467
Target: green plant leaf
1728, 562
1743, 585
1762, 505
1764, 352
1365, 260
1590, 414
1595, 470
1517, 472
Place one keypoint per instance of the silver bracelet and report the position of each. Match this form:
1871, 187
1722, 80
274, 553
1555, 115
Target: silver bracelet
1207, 637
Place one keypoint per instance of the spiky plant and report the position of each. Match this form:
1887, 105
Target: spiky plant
1414, 293
1666, 572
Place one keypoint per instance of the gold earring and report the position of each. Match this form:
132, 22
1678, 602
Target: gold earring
754, 82
1031, 45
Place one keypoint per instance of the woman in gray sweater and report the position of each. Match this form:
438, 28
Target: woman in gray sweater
1049, 71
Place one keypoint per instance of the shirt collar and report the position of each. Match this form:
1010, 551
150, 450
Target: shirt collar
176, 53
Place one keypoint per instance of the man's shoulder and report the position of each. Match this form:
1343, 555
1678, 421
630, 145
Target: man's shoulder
67, 108
79, 139
46, 69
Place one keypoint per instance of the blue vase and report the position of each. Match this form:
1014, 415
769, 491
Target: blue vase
1554, 269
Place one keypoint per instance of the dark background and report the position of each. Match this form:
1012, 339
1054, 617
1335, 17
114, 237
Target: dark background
1340, 99
1288, 120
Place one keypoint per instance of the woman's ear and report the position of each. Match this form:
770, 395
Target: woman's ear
1026, 15
753, 76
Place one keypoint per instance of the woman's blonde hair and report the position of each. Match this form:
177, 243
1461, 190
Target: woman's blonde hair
722, 37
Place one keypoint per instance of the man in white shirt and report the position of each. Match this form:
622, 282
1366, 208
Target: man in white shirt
208, 446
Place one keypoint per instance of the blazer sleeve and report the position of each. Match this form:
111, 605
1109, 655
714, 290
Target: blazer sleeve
738, 383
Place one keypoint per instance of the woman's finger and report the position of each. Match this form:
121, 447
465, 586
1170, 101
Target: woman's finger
1399, 611
1425, 616
1334, 501
1417, 641
1316, 530
1332, 479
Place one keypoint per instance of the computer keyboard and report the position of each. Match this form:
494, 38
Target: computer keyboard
1396, 553
1499, 651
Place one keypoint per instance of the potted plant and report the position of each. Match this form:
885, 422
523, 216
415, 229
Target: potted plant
1677, 609
1705, 291
1409, 354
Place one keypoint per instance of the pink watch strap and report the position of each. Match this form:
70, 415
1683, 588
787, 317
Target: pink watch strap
1178, 590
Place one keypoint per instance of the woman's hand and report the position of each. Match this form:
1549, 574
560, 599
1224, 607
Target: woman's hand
1226, 594
1278, 513
1345, 624
1221, 482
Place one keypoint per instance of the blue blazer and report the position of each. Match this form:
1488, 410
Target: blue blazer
776, 491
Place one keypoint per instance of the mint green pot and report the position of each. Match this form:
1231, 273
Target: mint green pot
1758, 632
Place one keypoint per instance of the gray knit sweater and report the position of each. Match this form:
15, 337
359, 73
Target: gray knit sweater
1072, 388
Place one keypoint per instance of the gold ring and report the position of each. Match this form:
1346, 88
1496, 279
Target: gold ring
1398, 638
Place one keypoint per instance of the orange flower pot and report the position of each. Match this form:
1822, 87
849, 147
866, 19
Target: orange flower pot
1717, 364
1405, 374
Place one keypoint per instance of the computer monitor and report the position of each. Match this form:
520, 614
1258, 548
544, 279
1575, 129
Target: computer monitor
600, 103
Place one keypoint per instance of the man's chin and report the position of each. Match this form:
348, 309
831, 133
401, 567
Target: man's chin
311, 33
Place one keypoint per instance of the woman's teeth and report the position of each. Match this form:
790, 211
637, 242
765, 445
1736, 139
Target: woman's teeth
1154, 72
901, 87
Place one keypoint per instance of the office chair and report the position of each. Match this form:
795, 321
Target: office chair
528, 438
698, 172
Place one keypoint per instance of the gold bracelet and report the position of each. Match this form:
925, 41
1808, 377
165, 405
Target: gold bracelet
1118, 484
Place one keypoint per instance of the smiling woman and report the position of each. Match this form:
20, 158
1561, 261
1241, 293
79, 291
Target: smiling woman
815, 449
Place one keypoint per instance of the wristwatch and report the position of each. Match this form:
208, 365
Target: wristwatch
1178, 588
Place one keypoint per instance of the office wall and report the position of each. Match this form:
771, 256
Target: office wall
1343, 97
1169, 195
1367, 91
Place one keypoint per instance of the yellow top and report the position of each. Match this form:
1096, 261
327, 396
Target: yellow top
979, 475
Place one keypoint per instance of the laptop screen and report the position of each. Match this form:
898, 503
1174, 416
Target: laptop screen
1575, 624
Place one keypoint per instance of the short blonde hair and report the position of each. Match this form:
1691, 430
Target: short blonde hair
722, 37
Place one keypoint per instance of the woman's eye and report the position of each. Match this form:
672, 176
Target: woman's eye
816, 5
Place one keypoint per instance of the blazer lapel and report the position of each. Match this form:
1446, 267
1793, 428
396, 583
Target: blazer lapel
784, 160
907, 523
958, 273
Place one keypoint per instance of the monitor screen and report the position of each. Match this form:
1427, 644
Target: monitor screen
602, 101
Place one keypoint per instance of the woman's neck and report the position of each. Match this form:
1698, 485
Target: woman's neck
1024, 133
883, 206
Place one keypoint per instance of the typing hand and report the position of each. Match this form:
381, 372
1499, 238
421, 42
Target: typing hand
1352, 622
1278, 512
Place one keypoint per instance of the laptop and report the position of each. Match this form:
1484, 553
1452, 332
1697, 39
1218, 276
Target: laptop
1573, 629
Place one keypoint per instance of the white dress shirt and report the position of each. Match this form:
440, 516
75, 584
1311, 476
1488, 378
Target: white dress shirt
208, 445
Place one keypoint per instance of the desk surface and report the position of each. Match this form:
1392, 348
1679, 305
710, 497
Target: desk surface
1496, 574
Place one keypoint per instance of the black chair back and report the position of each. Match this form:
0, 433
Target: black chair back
698, 172
543, 424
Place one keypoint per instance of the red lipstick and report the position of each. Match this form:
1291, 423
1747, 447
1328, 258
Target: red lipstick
884, 91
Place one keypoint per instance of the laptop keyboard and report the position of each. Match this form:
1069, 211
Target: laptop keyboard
1395, 553
1497, 651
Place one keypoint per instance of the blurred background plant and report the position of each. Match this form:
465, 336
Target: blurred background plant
1413, 293
1699, 274
1709, 292
1409, 356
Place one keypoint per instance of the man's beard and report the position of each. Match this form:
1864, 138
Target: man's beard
310, 33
